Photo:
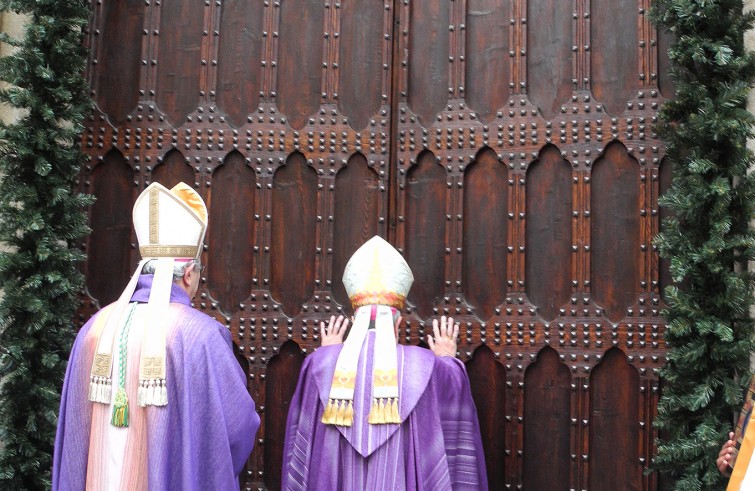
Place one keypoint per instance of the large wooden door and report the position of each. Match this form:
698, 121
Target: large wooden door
504, 146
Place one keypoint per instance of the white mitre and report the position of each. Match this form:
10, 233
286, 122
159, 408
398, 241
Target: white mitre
170, 223
377, 274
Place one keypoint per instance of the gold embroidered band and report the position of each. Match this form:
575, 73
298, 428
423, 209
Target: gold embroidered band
168, 251
385, 297
154, 216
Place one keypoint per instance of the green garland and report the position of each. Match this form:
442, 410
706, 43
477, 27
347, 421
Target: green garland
41, 218
708, 240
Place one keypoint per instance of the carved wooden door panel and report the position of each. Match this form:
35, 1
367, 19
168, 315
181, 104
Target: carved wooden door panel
504, 146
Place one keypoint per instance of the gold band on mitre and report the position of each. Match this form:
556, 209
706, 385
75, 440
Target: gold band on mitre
388, 298
149, 251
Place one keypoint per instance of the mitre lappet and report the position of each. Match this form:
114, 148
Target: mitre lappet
377, 280
170, 226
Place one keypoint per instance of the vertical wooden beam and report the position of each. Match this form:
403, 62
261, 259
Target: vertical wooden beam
520, 231
648, 46
401, 78
94, 44
655, 227
150, 55
270, 35
209, 53
518, 84
326, 92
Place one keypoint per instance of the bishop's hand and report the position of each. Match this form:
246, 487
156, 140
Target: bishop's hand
443, 343
334, 332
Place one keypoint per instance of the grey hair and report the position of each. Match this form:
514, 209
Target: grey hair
178, 268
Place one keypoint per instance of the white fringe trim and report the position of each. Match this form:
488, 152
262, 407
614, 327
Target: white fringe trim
152, 393
100, 390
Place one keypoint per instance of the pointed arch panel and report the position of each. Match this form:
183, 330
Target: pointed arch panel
548, 232
358, 206
426, 231
615, 230
230, 235
614, 433
486, 194
546, 423
109, 249
292, 268
282, 377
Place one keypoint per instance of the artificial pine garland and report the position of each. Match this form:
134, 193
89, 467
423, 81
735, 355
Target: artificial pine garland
41, 218
708, 240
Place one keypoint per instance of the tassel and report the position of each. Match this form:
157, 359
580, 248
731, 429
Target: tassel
377, 414
99, 395
333, 410
108, 391
340, 413
140, 394
150, 394
163, 394
348, 417
92, 387
327, 413
394, 418
146, 393
120, 409
373, 417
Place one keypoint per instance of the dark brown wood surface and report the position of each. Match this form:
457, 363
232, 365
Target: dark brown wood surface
505, 147
547, 426
549, 232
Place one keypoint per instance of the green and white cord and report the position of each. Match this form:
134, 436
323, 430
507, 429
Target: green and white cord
120, 405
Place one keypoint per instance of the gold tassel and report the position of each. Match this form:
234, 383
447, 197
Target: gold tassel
348, 417
381, 412
394, 412
327, 415
373, 417
120, 409
377, 419
384, 411
340, 413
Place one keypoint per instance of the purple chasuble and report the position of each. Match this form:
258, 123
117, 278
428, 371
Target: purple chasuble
437, 447
201, 439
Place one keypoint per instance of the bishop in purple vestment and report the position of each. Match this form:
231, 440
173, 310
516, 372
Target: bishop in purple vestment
373, 415
153, 396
